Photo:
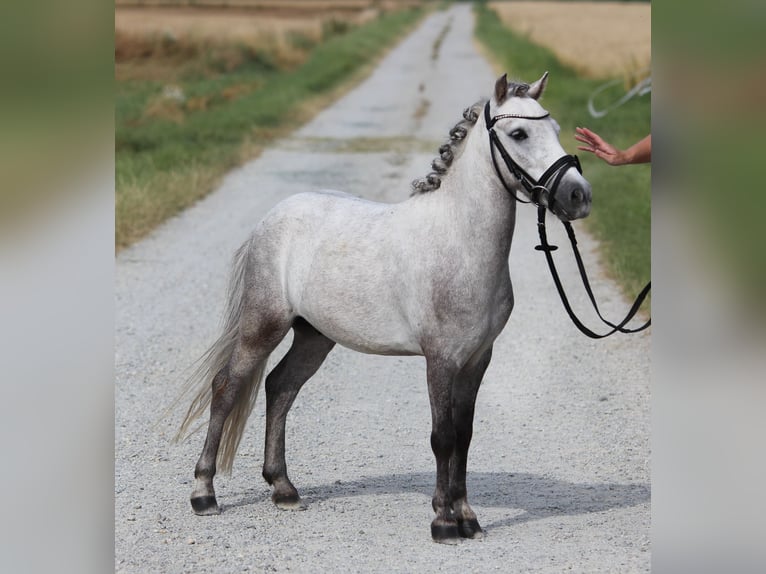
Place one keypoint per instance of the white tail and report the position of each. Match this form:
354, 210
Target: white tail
215, 359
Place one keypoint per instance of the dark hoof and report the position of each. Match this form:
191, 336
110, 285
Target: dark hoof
205, 505
445, 533
288, 501
470, 529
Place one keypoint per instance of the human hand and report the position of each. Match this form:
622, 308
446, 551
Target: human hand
596, 145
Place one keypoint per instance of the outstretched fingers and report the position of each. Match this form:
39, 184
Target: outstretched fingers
596, 145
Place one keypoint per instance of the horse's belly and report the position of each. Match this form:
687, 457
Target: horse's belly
375, 330
380, 346
360, 313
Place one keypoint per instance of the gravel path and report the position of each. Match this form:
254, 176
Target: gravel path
559, 470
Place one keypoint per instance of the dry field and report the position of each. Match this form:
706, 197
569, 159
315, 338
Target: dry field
152, 37
161, 43
274, 7
598, 39
228, 24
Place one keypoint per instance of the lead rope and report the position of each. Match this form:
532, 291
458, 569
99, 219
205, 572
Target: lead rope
547, 249
636, 304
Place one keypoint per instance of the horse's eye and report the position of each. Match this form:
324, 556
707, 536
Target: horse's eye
519, 135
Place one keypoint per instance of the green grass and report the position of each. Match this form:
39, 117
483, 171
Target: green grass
174, 155
621, 212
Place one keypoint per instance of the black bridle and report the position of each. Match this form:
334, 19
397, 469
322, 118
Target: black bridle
542, 193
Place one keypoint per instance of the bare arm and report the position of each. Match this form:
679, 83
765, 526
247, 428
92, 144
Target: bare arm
640, 152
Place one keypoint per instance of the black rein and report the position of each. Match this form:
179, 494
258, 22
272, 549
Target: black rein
543, 196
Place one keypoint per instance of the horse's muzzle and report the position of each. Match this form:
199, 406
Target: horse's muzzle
573, 197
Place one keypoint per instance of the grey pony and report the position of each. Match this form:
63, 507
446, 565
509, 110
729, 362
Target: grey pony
428, 276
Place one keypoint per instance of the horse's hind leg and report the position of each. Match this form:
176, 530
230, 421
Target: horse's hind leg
232, 394
463, 402
225, 391
307, 353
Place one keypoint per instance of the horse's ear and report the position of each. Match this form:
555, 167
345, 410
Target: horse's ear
501, 88
536, 90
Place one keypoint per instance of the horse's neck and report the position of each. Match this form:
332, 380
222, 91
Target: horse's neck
485, 209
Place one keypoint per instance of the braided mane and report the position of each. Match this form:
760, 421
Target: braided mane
449, 150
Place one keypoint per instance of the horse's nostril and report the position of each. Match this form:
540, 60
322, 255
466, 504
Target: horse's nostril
578, 195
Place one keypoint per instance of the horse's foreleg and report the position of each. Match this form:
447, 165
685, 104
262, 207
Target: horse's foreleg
440, 378
463, 402
306, 354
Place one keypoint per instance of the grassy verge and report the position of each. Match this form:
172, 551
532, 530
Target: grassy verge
621, 213
174, 141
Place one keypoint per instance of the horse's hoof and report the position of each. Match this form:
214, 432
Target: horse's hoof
470, 529
445, 533
205, 505
288, 502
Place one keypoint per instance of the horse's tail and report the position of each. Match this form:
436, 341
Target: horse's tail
215, 359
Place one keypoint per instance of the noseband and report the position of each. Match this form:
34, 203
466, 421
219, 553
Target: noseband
542, 191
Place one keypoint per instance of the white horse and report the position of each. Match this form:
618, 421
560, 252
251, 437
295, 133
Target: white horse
428, 276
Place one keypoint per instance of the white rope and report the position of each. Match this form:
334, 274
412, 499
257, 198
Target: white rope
640, 89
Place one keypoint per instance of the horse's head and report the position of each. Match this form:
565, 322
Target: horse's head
527, 154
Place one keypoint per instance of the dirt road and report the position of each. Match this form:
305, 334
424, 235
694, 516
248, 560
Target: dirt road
559, 469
